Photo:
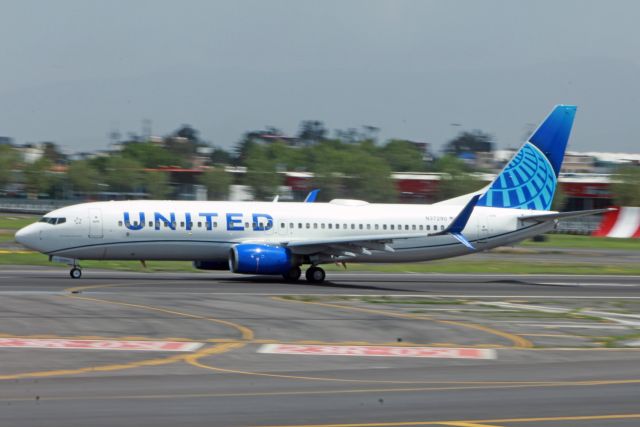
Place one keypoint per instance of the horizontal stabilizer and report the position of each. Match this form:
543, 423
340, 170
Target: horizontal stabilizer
562, 215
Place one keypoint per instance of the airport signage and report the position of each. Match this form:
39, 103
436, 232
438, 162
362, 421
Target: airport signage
379, 351
72, 344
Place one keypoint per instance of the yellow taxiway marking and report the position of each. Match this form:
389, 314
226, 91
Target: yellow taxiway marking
4, 251
246, 334
468, 423
517, 340
462, 424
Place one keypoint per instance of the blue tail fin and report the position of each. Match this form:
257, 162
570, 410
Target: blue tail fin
529, 180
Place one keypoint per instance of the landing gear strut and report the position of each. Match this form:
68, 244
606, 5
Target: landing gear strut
292, 275
75, 273
315, 274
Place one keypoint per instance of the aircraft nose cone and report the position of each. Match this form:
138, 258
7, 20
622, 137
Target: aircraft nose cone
25, 236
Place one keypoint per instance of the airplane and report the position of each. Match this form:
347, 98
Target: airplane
272, 238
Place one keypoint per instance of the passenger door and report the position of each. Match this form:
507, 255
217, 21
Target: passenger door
95, 223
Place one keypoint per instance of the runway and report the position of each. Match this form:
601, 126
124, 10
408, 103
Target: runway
563, 346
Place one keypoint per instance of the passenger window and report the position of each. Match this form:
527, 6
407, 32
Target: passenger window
315, 225
119, 223
353, 226
150, 223
368, 226
181, 224
190, 224
337, 226
290, 225
377, 226
322, 225
420, 227
282, 225
392, 226
413, 227
299, 225
330, 226
384, 226
428, 227
135, 223
308, 225
442, 227
199, 224
215, 224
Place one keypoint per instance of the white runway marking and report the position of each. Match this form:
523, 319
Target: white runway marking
379, 351
70, 344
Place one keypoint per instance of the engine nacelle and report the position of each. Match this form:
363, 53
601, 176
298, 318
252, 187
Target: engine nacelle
211, 265
249, 258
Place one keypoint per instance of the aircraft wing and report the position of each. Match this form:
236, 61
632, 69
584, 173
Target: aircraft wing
562, 215
357, 245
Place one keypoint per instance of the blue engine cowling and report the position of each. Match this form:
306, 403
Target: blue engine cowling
249, 258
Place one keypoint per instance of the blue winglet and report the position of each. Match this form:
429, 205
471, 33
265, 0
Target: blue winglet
460, 222
311, 197
463, 240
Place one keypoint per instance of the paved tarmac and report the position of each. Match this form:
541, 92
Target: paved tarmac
545, 373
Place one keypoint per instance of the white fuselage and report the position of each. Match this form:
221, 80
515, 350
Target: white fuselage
202, 230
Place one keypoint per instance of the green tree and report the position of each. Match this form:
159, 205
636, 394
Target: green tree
157, 185
83, 176
123, 174
626, 186
37, 178
151, 155
218, 183
370, 179
470, 142
402, 156
220, 156
8, 160
312, 131
53, 153
559, 199
261, 174
456, 179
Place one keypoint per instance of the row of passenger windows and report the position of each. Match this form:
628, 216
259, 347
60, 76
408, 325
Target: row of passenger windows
331, 226
306, 225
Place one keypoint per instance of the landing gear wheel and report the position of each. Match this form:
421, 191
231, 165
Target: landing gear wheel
75, 273
292, 275
315, 274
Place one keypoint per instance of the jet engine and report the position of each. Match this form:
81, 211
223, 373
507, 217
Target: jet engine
249, 258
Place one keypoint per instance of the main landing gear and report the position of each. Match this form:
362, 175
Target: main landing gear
313, 274
292, 275
75, 272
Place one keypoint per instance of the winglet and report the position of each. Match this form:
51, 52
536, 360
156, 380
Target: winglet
460, 222
311, 197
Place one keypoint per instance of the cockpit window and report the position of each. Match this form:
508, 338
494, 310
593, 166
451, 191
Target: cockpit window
53, 221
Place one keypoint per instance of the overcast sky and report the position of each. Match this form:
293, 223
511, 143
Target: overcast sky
72, 71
